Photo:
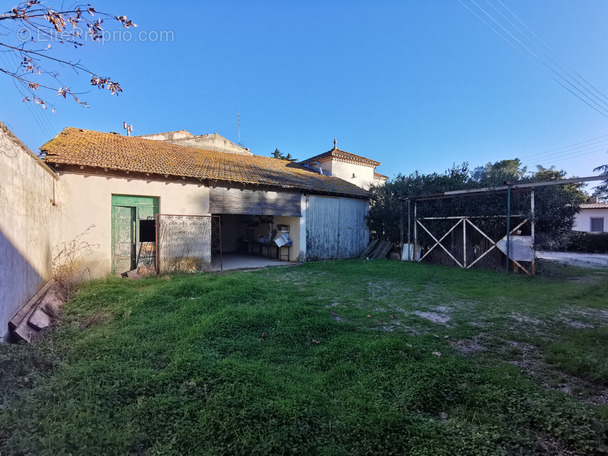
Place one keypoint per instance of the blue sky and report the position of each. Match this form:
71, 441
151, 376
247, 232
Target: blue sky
416, 85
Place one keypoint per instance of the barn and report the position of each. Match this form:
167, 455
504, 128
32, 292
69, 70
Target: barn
185, 202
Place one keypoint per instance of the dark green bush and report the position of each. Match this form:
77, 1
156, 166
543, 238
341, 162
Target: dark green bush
587, 242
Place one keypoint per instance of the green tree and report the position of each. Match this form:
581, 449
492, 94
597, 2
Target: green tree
278, 154
556, 206
498, 173
602, 189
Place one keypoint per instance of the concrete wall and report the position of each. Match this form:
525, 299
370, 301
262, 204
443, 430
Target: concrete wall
582, 222
85, 201
212, 142
26, 225
168, 136
208, 142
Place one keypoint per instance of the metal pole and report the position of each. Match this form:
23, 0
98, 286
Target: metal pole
508, 225
409, 230
532, 229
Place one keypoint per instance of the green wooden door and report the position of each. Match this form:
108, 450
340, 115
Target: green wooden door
123, 239
127, 211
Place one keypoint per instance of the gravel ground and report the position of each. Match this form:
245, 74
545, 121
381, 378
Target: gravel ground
584, 260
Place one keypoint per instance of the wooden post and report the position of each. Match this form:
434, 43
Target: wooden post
532, 229
409, 231
464, 242
415, 231
508, 224
401, 227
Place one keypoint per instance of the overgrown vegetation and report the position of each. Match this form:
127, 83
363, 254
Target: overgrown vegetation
327, 358
67, 264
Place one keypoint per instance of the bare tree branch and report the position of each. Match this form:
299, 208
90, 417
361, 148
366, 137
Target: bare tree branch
32, 22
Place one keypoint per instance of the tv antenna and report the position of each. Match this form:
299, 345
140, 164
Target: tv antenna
238, 121
129, 128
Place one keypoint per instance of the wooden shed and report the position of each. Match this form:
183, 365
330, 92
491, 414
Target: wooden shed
122, 191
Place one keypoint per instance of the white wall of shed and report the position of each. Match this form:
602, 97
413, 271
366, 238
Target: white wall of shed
86, 201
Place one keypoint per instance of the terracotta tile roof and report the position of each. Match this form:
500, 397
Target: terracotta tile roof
380, 176
116, 152
340, 154
594, 206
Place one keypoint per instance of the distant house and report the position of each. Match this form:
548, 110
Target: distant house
116, 186
352, 168
592, 218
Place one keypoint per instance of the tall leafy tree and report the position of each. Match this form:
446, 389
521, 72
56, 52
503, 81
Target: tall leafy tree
602, 189
556, 206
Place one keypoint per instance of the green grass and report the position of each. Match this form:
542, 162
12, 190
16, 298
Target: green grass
334, 358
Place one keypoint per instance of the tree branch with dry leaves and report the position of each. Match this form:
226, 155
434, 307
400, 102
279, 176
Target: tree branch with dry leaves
31, 23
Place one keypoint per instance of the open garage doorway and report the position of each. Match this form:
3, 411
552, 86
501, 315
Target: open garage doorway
252, 241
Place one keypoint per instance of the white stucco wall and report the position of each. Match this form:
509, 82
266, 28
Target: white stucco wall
364, 175
26, 225
84, 201
582, 222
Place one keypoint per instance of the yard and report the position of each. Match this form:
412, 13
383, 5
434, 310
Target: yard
331, 358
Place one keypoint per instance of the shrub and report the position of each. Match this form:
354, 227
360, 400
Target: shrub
587, 242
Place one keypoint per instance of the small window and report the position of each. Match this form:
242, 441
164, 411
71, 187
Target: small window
597, 225
147, 231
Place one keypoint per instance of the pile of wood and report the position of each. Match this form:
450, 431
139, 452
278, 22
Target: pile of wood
376, 250
38, 314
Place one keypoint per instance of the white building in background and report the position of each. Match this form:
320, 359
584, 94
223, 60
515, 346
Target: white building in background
593, 217
352, 168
